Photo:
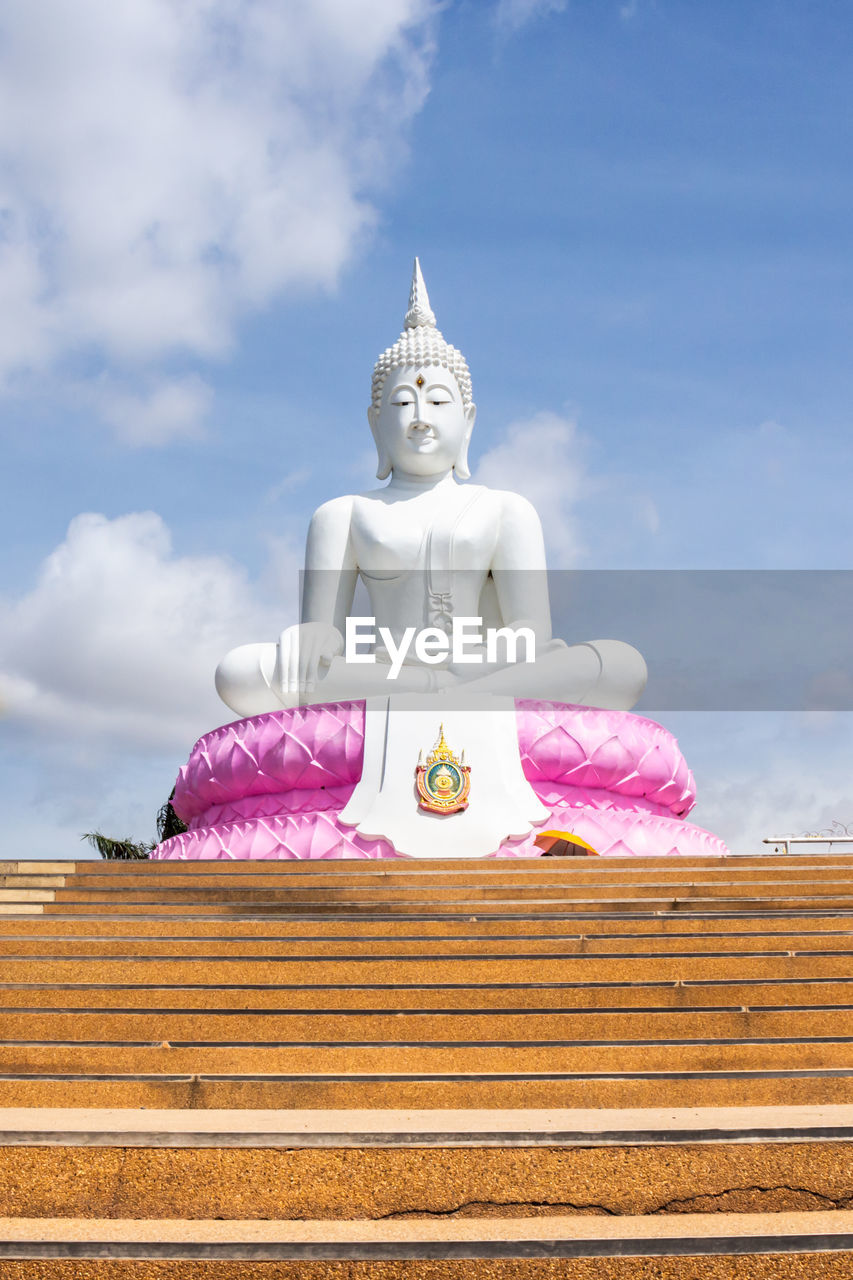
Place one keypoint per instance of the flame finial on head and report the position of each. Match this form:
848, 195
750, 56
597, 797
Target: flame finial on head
420, 314
422, 343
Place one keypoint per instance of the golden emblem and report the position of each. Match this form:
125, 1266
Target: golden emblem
443, 782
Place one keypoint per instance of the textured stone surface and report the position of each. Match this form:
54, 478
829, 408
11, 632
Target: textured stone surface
812, 935
668, 995
817, 862
488, 871
390, 893
323, 1092
390, 1027
826, 925
319, 1059
809, 1266
382, 1183
472, 908
520, 968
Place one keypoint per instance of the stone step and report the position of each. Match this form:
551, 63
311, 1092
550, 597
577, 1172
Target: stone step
541, 890
394, 997
37, 867
443, 1127
378, 1164
368, 874
819, 1245
290, 1041
534, 928
471, 1027
351, 866
409, 969
683, 944
784, 881
347, 1091
159, 1057
307, 898
527, 909
543, 927
21, 894
33, 882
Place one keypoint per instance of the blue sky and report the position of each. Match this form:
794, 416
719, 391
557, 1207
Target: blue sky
634, 217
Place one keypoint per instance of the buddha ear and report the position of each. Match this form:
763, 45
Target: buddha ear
383, 462
460, 466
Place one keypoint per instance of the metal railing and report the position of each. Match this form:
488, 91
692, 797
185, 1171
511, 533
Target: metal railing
838, 833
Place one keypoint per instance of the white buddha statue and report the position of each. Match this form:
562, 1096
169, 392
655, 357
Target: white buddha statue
429, 548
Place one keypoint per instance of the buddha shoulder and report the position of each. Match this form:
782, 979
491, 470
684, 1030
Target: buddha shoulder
329, 532
515, 512
519, 541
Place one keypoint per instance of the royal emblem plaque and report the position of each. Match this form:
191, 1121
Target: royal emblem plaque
442, 780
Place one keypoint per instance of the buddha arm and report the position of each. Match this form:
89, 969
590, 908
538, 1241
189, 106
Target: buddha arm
327, 593
518, 567
330, 565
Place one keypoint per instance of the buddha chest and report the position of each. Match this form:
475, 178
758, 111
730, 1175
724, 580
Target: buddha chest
414, 534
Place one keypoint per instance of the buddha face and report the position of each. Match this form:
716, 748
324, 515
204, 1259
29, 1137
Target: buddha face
421, 426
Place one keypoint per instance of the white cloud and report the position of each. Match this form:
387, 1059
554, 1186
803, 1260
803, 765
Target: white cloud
165, 409
590, 520
510, 15
539, 457
106, 675
119, 638
767, 774
171, 164
648, 514
775, 800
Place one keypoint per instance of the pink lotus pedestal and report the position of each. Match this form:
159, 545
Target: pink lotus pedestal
273, 786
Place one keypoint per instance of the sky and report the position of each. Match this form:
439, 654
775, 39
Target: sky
635, 218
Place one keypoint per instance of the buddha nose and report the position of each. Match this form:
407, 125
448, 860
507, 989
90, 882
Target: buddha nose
421, 421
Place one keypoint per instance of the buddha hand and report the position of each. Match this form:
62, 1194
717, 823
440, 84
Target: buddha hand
302, 651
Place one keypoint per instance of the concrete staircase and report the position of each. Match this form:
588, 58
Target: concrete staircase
550, 1067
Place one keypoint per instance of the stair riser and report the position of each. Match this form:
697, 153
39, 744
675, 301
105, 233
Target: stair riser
144, 1182
582, 968
592, 997
383, 1027
344, 1095
397, 875
395, 897
816, 1265
537, 928
396, 946
477, 908
420, 1060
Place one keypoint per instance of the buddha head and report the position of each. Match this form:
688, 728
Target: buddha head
421, 413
